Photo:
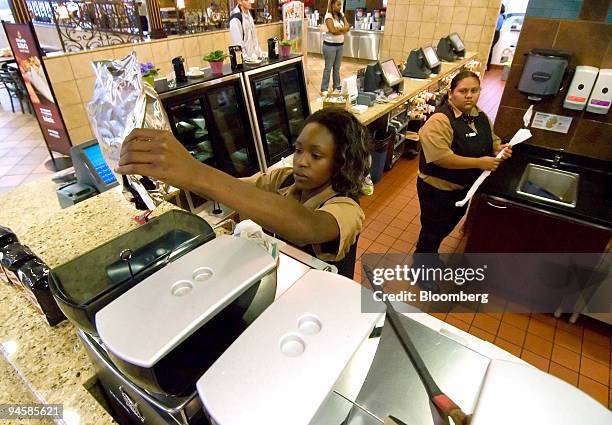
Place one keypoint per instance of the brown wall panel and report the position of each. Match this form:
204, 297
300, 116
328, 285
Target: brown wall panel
586, 41
593, 139
536, 33
590, 44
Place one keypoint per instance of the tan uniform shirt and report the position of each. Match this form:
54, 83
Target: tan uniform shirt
347, 212
436, 137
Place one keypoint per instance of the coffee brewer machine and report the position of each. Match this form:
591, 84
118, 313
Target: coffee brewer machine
178, 64
161, 303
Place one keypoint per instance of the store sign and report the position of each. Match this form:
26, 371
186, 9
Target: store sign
28, 56
293, 15
551, 122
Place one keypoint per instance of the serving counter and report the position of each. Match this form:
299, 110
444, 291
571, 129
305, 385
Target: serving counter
42, 364
412, 87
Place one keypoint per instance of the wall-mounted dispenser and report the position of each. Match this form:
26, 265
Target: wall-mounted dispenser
543, 73
582, 84
601, 96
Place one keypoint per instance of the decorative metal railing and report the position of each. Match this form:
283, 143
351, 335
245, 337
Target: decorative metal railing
86, 24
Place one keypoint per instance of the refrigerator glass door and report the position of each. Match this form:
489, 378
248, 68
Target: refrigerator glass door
275, 130
234, 145
294, 96
191, 128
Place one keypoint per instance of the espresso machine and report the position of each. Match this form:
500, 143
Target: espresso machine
157, 306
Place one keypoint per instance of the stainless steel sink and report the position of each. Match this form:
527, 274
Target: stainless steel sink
549, 185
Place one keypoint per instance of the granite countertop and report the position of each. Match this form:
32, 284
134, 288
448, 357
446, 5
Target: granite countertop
594, 201
50, 361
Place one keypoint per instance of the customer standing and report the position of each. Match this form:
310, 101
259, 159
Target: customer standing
498, 25
333, 41
458, 143
242, 30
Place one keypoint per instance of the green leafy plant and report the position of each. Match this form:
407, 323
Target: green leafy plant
286, 43
216, 56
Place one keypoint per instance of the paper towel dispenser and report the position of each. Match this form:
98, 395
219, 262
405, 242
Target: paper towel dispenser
543, 73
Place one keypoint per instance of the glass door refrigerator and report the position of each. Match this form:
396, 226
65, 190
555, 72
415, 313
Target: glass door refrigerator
278, 101
212, 121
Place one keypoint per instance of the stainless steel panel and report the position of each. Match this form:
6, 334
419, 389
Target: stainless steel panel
369, 45
351, 45
559, 183
314, 41
394, 387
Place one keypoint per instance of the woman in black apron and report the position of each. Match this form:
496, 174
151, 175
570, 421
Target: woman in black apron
458, 143
312, 205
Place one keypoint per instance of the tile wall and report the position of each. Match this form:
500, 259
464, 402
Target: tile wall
413, 23
589, 44
72, 75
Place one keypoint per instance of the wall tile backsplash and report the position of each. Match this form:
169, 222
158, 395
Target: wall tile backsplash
425, 22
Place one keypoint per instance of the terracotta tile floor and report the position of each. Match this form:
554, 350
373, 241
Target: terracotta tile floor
579, 353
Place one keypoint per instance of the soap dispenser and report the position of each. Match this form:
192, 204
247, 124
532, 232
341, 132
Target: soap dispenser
579, 90
601, 97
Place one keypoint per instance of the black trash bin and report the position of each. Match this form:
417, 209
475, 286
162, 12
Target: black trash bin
378, 151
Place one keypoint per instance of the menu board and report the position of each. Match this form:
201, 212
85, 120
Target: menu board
293, 15
28, 56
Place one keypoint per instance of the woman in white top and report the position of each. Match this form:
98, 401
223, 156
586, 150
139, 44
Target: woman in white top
333, 40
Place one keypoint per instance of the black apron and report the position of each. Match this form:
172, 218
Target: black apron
346, 266
466, 142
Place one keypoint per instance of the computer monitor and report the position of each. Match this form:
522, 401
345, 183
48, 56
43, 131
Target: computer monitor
431, 58
390, 72
372, 79
90, 166
451, 48
456, 42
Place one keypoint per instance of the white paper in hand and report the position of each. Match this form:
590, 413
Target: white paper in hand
519, 137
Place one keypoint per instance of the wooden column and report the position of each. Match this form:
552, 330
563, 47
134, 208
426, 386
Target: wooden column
20, 11
155, 23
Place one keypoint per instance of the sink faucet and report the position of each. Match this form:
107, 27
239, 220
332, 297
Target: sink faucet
557, 158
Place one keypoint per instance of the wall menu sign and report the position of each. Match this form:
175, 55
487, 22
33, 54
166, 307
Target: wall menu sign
28, 56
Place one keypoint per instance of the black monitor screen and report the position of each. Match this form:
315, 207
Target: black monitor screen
431, 57
456, 42
94, 154
390, 72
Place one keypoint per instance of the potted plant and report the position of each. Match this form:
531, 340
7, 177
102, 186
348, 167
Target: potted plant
216, 59
149, 72
285, 48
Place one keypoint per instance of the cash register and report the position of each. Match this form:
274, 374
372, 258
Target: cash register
451, 48
422, 63
92, 174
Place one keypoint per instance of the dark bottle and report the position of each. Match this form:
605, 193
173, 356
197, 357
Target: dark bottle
236, 59
179, 69
273, 48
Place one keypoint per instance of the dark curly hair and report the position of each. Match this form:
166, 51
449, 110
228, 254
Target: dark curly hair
351, 158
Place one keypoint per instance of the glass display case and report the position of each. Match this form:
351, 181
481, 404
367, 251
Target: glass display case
211, 120
279, 105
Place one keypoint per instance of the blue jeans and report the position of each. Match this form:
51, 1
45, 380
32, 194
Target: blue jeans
333, 57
